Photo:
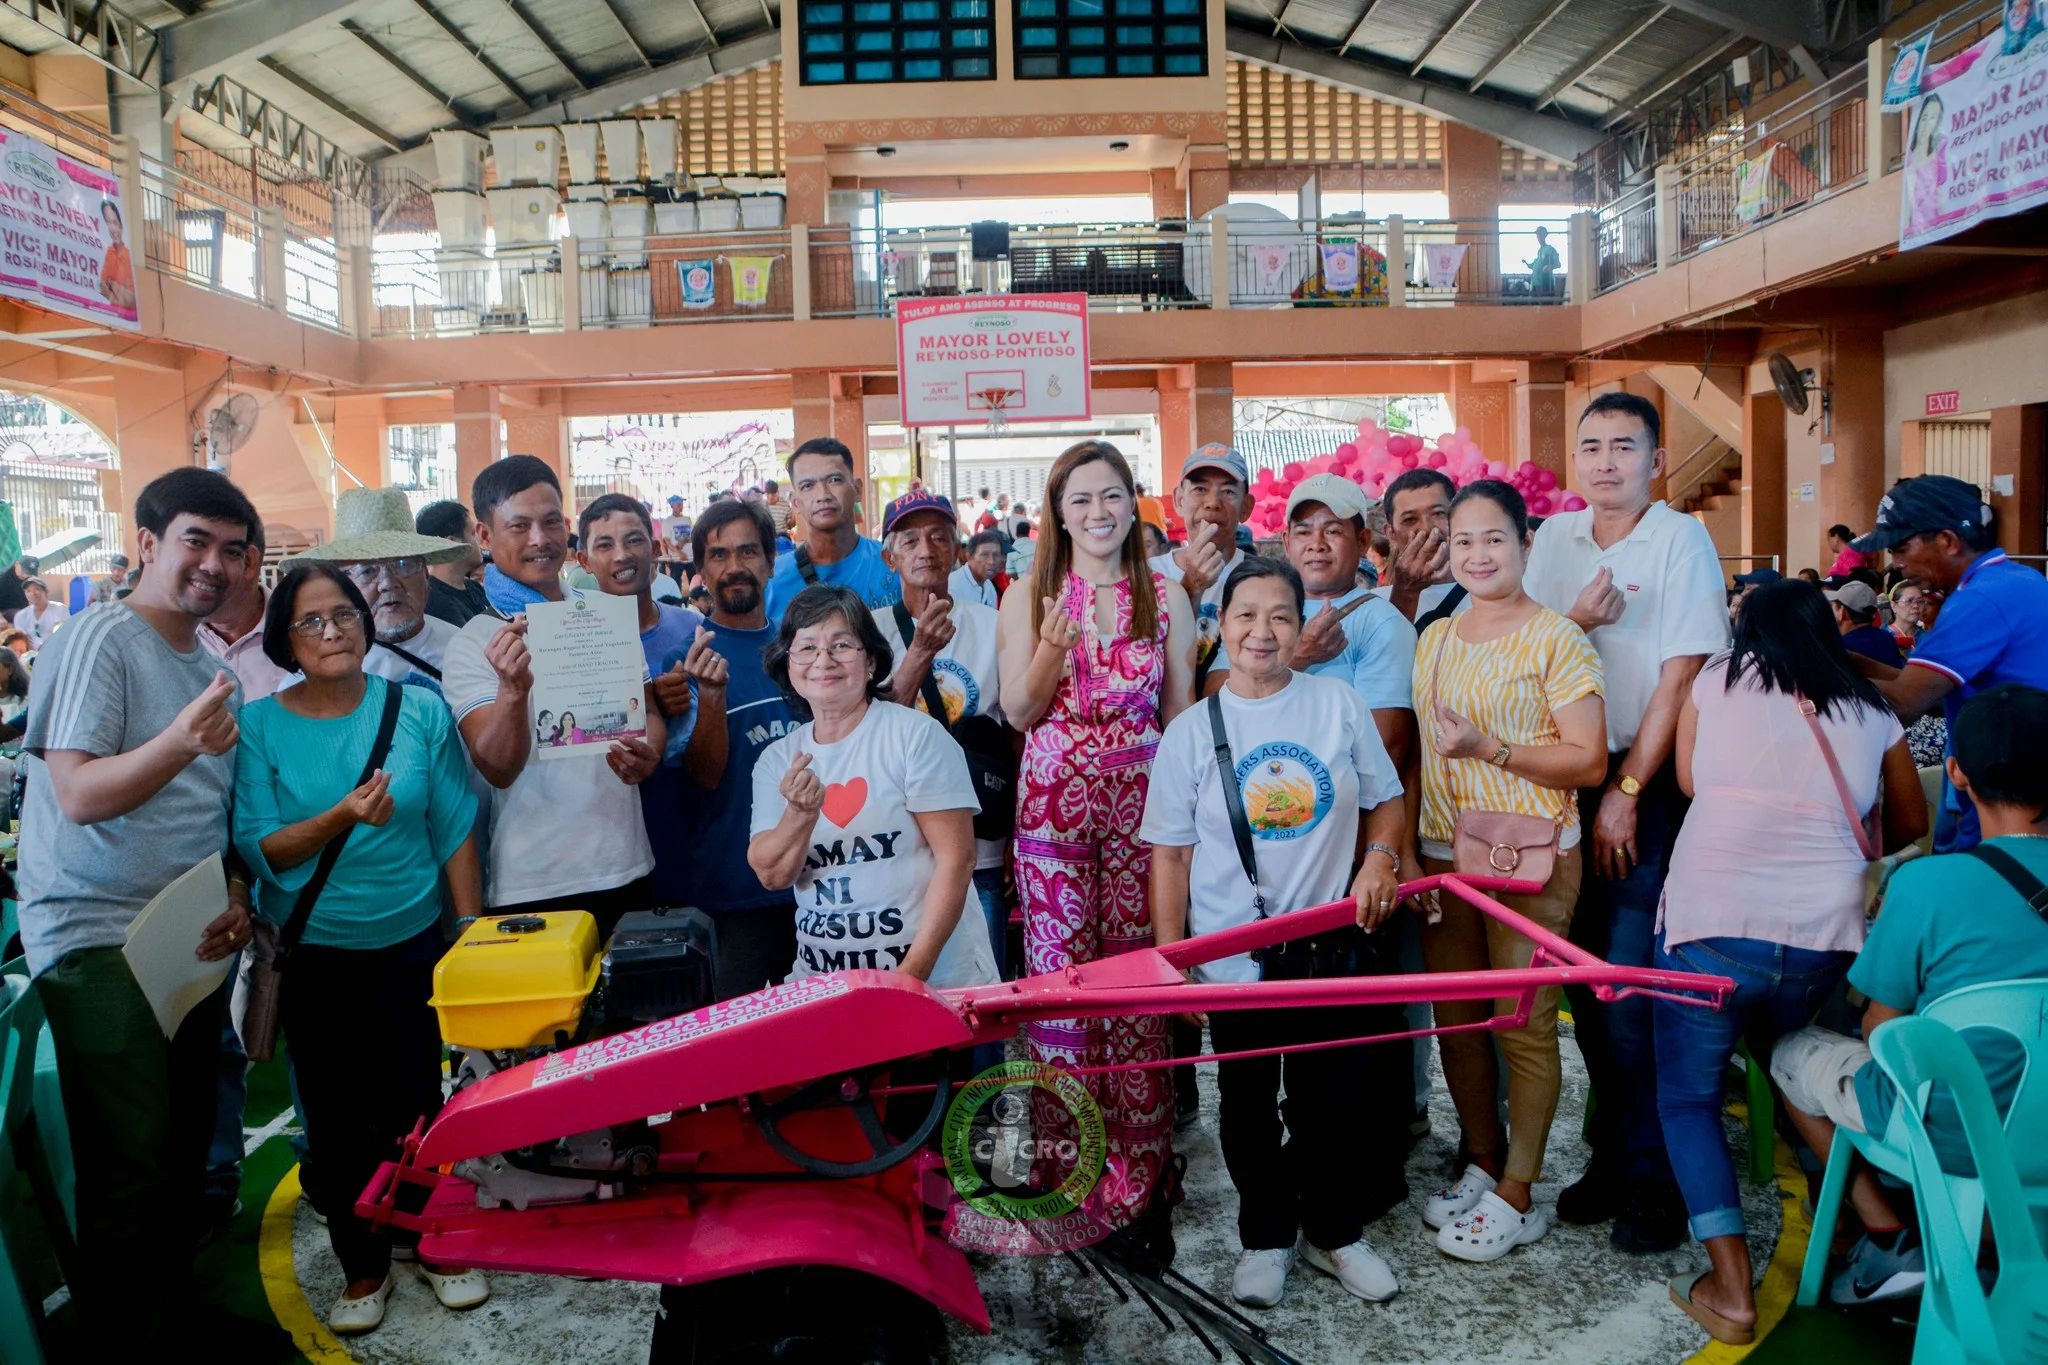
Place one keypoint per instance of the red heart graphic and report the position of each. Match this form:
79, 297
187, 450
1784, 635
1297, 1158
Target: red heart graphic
844, 800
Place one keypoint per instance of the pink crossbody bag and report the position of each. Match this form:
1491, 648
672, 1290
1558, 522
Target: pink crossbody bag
1863, 824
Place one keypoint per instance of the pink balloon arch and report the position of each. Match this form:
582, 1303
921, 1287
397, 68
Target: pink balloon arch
1378, 457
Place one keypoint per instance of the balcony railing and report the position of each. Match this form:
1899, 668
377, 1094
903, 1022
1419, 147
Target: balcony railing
312, 279
200, 233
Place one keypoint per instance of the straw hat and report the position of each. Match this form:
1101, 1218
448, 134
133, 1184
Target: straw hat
376, 523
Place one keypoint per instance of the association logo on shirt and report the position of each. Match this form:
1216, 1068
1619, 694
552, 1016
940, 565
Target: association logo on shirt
1287, 790
1208, 633
957, 689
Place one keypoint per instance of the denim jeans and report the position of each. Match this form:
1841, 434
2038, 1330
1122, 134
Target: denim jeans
1777, 989
1616, 921
995, 904
231, 1096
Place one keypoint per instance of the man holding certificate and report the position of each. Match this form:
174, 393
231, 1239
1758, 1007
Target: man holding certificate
541, 699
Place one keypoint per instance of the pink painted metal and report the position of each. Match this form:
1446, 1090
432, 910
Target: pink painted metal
724, 1212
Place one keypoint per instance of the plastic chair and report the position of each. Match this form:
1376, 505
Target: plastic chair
1763, 1109
1958, 1320
21, 1021
2014, 1007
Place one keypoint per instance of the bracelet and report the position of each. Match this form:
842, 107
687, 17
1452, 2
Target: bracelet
1391, 853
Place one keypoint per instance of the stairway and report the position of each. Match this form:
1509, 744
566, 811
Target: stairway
1708, 481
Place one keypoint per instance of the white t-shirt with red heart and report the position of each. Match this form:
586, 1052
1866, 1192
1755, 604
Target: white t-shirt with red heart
860, 893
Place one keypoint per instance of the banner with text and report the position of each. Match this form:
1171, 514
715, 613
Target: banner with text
63, 244
1977, 140
968, 359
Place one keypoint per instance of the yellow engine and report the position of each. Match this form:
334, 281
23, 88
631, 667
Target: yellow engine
514, 982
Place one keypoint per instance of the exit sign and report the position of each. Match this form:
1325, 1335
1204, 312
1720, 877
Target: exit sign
1946, 404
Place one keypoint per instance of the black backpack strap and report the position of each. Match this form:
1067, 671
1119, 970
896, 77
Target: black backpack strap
415, 660
1233, 801
934, 700
302, 908
804, 568
1443, 608
2016, 876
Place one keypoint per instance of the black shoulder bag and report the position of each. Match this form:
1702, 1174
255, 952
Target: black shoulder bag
1348, 951
1443, 608
804, 568
271, 948
991, 753
415, 660
2016, 876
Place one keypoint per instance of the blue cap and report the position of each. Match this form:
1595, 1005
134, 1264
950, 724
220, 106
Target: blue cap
1924, 505
1216, 455
917, 500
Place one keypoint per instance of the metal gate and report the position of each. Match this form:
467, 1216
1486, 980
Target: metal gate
1961, 450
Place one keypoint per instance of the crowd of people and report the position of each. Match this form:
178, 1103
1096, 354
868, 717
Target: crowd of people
886, 753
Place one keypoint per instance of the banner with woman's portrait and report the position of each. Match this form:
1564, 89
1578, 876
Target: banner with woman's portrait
1976, 141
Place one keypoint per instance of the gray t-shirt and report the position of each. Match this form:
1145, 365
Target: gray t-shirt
108, 684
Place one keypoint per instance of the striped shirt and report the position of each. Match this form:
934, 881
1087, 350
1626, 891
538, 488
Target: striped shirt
1511, 688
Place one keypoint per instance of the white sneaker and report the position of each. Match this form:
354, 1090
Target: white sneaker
1261, 1277
360, 1315
1493, 1229
1458, 1200
1359, 1268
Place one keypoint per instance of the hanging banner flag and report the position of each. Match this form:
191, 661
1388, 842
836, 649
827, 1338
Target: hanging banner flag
1977, 139
750, 279
1269, 266
1340, 266
1909, 64
63, 240
700, 282
964, 359
1441, 262
1753, 185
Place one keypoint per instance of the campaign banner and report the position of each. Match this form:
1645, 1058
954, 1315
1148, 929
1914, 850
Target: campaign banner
1441, 262
1753, 185
63, 239
1977, 139
1340, 266
700, 286
1909, 64
968, 358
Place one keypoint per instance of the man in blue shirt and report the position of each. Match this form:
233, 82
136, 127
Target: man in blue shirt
826, 493
739, 712
1993, 627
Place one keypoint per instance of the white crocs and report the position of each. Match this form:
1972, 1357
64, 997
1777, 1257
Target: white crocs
360, 1315
1458, 1200
463, 1289
1493, 1229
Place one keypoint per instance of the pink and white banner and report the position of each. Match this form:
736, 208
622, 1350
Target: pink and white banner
965, 358
63, 238
1977, 139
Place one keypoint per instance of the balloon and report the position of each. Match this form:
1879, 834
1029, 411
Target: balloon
1346, 453
1263, 477
1435, 459
1545, 480
1292, 472
1496, 470
1463, 434
1574, 503
1409, 462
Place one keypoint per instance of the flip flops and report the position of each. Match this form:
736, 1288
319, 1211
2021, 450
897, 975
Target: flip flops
1719, 1328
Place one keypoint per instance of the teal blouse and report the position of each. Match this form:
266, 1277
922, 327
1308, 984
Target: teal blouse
386, 886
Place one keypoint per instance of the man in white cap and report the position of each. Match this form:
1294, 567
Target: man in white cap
1211, 498
376, 546
1855, 605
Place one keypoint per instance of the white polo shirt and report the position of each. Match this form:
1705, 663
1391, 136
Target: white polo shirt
1674, 600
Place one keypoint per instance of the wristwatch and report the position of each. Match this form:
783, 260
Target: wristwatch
1382, 848
1629, 786
1500, 756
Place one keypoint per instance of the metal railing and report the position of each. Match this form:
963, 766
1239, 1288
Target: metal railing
1122, 267
685, 277
458, 291
1437, 273
200, 233
312, 279
1625, 239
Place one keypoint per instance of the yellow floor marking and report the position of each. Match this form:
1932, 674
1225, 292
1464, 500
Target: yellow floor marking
281, 1278
1781, 1276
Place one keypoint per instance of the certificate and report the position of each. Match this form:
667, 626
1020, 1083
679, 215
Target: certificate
588, 674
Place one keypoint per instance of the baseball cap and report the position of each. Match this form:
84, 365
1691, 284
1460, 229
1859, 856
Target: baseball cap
1858, 597
1216, 455
1756, 578
675, 500
1344, 498
918, 500
1923, 505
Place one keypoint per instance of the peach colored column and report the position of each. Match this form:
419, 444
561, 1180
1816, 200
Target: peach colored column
1472, 185
1208, 178
1763, 476
1169, 197
810, 393
850, 422
477, 442
151, 433
544, 435
1539, 419
1912, 450
1176, 428
359, 439
1851, 486
2019, 443
1486, 411
1215, 418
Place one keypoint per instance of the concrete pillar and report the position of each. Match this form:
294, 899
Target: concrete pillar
1912, 450
800, 272
544, 435
810, 393
1208, 177
358, 295
1215, 395
359, 440
1540, 431
572, 283
1176, 427
1397, 261
151, 434
1853, 481
477, 441
1666, 208
1763, 477
850, 424
1486, 411
2019, 452
1472, 184
270, 256
1581, 264
141, 114
808, 181
1169, 196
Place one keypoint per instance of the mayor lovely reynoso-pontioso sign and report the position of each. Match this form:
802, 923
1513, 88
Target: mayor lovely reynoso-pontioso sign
63, 236
962, 360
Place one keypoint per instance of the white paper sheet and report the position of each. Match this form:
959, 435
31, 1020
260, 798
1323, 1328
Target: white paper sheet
163, 941
587, 671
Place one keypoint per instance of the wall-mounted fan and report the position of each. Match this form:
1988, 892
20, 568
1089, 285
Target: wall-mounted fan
1794, 384
227, 428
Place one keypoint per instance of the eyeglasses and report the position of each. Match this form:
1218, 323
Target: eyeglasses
842, 651
367, 573
345, 618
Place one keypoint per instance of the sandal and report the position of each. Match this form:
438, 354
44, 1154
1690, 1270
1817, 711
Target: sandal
360, 1315
461, 1290
1493, 1229
1724, 1330
1459, 1199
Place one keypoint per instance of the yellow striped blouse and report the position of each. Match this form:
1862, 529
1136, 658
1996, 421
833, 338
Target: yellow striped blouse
1510, 688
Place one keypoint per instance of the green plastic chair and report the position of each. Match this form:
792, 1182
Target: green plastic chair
1762, 1116
2014, 1007
1959, 1322
21, 1310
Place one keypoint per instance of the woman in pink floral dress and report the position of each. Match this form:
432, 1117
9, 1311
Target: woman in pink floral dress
1097, 655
